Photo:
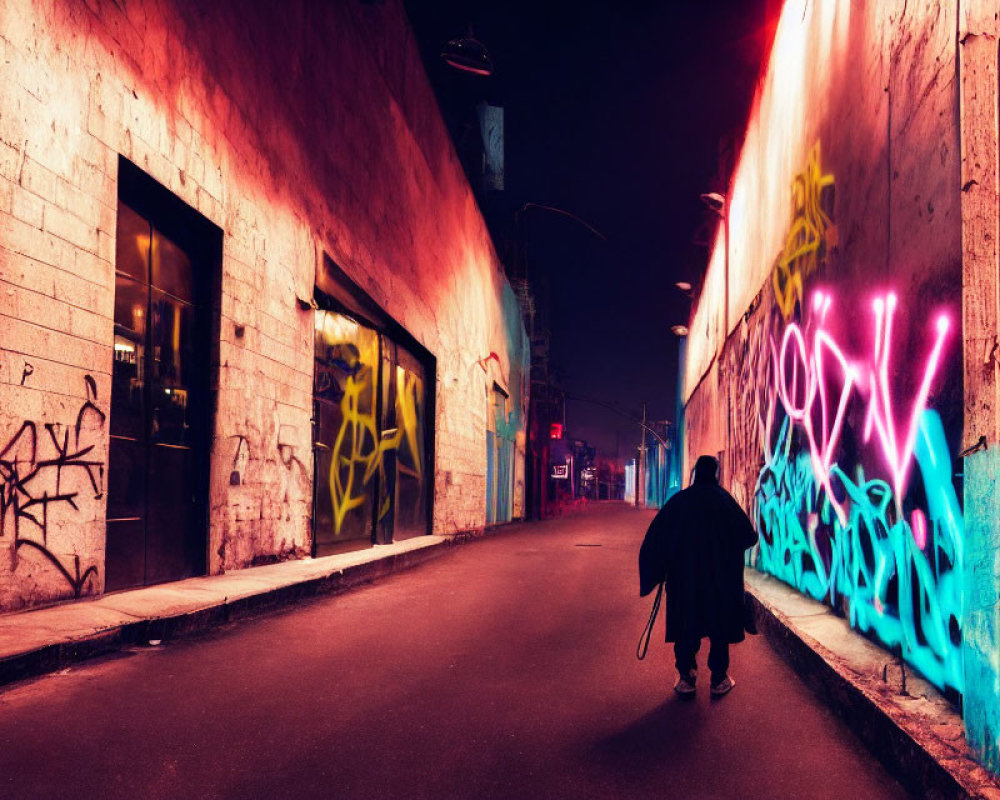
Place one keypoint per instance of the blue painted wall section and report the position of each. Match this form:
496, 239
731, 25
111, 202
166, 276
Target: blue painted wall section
980, 578
504, 485
676, 482
658, 470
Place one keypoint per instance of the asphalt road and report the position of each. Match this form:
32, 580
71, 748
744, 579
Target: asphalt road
505, 669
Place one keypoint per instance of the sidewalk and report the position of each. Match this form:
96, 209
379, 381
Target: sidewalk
917, 735
43, 640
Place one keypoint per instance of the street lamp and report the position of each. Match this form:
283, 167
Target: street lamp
715, 202
679, 330
468, 54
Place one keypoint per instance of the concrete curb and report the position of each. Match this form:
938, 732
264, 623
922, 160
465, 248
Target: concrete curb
926, 766
88, 639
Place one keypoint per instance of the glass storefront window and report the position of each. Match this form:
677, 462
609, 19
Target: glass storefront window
369, 437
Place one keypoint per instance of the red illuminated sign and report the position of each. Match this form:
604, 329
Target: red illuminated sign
556, 430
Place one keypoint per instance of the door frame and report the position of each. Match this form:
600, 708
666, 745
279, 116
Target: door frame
202, 241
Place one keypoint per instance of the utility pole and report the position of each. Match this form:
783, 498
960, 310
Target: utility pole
640, 472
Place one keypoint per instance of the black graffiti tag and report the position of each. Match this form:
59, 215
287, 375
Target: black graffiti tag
26, 464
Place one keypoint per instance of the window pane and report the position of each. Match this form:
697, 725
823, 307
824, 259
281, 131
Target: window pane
411, 477
127, 371
171, 268
173, 360
346, 433
130, 307
132, 244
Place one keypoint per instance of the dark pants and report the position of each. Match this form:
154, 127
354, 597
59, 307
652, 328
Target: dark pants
718, 657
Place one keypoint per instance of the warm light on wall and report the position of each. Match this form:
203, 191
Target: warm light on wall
810, 43
706, 325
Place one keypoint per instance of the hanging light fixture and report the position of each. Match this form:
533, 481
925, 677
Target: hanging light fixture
468, 54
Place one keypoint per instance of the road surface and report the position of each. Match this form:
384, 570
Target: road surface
505, 669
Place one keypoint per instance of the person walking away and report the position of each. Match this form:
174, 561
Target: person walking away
695, 546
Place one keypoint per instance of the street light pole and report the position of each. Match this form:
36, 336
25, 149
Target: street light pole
640, 472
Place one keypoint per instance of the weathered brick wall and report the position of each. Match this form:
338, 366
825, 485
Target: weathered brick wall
297, 128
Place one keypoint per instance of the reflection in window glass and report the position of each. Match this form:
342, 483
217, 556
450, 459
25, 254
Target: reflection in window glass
347, 454
130, 307
129, 357
132, 244
171, 268
172, 342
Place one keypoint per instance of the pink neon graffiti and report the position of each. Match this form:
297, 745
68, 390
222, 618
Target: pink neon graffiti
880, 415
814, 374
809, 365
918, 524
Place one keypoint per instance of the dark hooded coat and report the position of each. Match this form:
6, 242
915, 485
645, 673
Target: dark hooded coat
695, 545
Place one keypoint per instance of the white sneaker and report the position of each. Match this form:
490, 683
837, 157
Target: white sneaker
723, 686
685, 685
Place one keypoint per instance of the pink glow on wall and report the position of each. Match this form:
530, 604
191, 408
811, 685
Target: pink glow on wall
824, 440
807, 367
810, 46
881, 419
918, 524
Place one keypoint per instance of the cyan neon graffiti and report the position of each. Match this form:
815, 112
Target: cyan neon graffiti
844, 538
803, 376
899, 579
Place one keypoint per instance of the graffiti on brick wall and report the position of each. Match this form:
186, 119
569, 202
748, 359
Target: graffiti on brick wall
749, 364
806, 244
849, 475
33, 468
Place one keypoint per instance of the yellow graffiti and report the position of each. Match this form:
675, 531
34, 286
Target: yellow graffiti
358, 452
805, 246
409, 391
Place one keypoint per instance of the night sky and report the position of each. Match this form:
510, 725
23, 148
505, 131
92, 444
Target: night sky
614, 112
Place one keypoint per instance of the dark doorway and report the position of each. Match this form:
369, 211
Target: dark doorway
166, 283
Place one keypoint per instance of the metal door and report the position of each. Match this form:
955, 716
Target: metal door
156, 527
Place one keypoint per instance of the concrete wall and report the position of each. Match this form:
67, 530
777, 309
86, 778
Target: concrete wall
836, 391
297, 128
854, 390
